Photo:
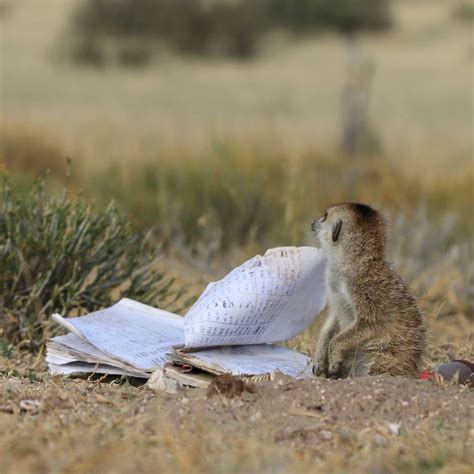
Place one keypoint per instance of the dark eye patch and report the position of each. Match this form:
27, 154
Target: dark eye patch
325, 216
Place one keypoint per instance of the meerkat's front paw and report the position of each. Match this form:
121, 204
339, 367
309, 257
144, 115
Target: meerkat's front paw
320, 366
319, 369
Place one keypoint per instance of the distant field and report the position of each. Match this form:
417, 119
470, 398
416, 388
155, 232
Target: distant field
291, 95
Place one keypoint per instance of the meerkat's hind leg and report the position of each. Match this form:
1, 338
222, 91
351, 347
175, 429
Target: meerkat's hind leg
357, 364
351, 340
391, 364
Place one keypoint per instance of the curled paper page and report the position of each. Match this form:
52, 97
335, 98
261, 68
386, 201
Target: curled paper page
133, 334
266, 299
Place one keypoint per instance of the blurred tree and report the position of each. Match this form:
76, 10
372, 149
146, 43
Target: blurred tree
5, 7
464, 11
358, 133
211, 27
344, 16
127, 31
347, 17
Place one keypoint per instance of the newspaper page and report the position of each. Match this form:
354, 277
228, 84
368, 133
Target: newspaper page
77, 367
254, 360
69, 350
267, 299
131, 333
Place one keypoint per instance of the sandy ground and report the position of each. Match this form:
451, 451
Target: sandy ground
373, 424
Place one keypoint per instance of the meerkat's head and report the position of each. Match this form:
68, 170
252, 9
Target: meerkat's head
351, 230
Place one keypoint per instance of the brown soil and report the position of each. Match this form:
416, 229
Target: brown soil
54, 424
304, 412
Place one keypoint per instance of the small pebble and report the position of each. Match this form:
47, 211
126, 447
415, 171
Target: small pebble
327, 435
255, 417
394, 428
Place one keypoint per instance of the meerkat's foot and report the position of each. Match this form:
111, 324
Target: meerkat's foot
335, 374
320, 369
336, 369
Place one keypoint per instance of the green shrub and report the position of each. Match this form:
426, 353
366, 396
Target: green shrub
59, 255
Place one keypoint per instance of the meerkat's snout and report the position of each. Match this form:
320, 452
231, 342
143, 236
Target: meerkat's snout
316, 228
319, 228
317, 223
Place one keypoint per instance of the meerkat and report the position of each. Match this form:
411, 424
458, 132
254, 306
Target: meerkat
374, 325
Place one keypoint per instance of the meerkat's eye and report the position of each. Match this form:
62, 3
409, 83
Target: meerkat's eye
325, 216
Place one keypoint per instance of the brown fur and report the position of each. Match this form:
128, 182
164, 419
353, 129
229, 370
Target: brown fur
374, 325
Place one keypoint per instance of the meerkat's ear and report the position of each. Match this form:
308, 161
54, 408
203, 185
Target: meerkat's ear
336, 230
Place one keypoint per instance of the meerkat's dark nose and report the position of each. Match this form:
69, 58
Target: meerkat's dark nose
313, 225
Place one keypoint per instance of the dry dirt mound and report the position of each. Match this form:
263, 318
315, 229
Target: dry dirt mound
372, 424
308, 411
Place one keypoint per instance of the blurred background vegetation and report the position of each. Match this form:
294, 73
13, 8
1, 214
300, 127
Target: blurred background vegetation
226, 28
226, 126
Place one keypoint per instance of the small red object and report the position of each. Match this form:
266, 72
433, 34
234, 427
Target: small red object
463, 369
425, 375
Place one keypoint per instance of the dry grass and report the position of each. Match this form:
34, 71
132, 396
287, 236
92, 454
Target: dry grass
28, 152
59, 425
84, 426
238, 194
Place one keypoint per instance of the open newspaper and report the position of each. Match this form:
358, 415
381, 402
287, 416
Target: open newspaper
232, 327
